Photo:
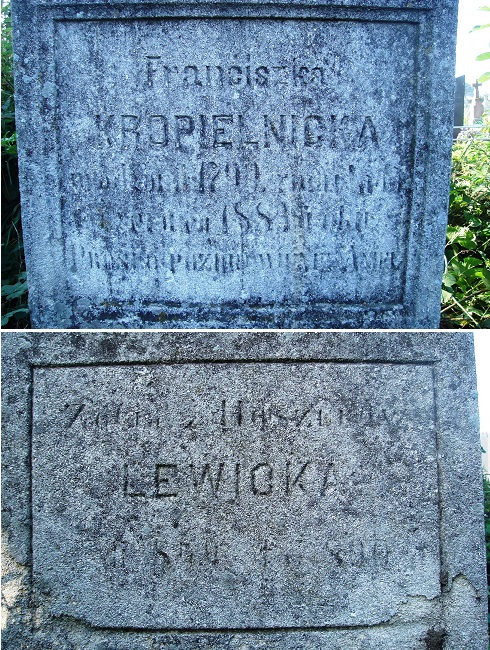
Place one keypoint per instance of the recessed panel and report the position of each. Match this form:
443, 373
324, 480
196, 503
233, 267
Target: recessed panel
234, 495
232, 161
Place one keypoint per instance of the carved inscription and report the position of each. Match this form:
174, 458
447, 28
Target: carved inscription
249, 174
215, 177
243, 490
232, 414
169, 555
222, 480
244, 75
185, 132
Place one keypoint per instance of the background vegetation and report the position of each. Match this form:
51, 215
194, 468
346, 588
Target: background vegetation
15, 312
466, 281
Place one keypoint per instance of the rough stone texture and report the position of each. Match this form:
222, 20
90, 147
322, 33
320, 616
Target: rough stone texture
237, 165
242, 491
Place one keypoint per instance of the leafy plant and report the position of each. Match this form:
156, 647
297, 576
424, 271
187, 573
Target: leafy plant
15, 312
486, 55
466, 281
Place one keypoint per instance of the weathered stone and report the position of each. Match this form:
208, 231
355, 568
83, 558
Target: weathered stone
262, 165
242, 491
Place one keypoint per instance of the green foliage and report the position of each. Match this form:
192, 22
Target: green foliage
486, 55
466, 281
15, 312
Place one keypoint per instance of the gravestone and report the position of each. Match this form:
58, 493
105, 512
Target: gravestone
276, 491
459, 105
254, 165
478, 108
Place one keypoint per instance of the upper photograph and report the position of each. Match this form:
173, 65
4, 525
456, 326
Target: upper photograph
244, 165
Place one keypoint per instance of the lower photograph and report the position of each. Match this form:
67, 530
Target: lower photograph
242, 491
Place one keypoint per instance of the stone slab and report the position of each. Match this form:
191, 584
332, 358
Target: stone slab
258, 165
242, 491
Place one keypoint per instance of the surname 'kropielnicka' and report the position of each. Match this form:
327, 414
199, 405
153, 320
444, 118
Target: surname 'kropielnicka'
230, 131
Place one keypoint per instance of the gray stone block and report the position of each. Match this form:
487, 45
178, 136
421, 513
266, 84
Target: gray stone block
240, 165
239, 491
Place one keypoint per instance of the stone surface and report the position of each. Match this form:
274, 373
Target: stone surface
254, 165
243, 491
